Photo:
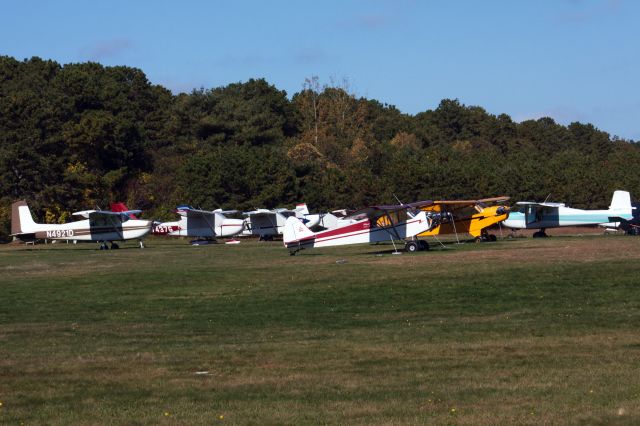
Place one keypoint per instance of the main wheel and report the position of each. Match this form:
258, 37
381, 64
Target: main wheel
114, 246
492, 237
423, 245
411, 246
539, 234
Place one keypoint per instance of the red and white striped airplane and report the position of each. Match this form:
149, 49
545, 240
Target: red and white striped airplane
368, 225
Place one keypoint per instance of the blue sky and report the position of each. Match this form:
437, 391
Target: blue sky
573, 60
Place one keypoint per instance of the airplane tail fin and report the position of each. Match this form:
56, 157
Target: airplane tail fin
21, 219
121, 207
295, 231
621, 201
301, 210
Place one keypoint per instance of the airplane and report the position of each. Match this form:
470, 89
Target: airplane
269, 223
266, 223
366, 227
468, 216
202, 224
98, 225
532, 215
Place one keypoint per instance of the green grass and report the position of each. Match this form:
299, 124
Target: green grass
516, 332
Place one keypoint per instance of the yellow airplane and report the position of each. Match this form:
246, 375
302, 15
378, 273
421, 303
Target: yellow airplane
468, 216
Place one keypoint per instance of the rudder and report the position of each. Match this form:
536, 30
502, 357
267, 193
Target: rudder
21, 219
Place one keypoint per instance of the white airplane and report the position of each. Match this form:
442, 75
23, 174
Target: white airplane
202, 224
531, 215
369, 225
101, 226
266, 223
269, 223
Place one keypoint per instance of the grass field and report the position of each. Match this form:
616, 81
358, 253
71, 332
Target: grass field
520, 331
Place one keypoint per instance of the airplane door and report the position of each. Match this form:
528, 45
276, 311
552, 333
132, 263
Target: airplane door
532, 215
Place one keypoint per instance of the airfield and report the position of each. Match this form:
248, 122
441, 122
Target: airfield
520, 331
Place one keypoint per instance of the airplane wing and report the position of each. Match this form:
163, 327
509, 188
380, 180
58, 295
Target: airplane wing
452, 205
545, 204
107, 219
375, 212
84, 213
226, 211
189, 212
88, 214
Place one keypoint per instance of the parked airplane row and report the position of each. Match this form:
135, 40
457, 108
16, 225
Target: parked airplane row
404, 223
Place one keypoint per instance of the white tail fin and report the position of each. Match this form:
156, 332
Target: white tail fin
418, 224
621, 201
295, 230
301, 210
21, 219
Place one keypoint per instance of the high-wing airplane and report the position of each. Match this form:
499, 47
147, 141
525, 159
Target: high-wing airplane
266, 223
100, 226
468, 216
399, 223
531, 215
201, 224
269, 223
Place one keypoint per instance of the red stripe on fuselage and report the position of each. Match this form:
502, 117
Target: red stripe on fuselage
365, 224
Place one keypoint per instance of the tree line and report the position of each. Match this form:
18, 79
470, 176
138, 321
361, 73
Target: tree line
78, 136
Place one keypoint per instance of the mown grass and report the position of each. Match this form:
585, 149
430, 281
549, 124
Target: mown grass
517, 332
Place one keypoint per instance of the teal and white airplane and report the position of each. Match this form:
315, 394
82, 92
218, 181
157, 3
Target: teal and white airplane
532, 215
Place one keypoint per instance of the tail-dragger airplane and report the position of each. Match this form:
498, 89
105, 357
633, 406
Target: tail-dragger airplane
365, 226
471, 217
531, 215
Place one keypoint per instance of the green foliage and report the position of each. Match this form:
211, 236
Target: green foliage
81, 135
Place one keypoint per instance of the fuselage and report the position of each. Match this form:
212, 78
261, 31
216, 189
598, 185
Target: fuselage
365, 231
471, 223
530, 217
223, 227
83, 230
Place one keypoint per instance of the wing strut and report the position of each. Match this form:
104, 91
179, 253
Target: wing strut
453, 222
395, 232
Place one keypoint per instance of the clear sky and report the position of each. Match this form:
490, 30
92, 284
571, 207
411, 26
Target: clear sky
573, 60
